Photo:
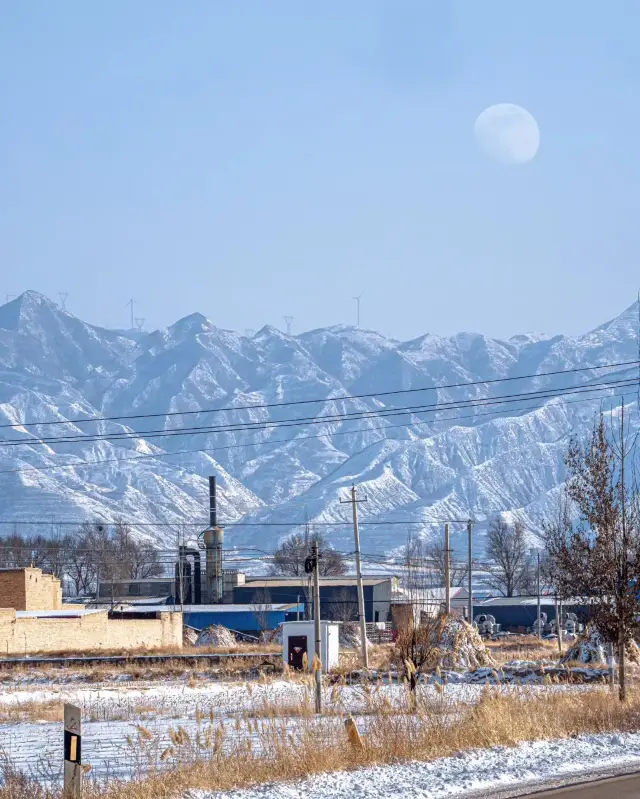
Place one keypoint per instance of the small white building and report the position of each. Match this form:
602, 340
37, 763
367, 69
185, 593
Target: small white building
298, 640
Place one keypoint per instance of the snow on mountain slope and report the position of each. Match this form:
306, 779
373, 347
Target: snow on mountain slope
415, 467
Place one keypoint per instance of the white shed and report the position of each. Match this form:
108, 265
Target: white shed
298, 639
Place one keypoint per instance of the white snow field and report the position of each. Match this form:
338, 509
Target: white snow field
465, 773
113, 714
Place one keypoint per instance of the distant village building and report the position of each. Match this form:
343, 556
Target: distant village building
33, 619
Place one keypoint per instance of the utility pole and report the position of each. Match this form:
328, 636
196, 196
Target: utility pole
470, 574
538, 592
447, 570
361, 613
316, 620
624, 570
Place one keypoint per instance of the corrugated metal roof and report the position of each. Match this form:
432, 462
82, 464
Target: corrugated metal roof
292, 582
222, 608
513, 601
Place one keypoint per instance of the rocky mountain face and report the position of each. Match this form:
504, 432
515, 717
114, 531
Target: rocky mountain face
188, 389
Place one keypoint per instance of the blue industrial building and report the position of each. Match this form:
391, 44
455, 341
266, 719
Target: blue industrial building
338, 595
519, 613
241, 618
247, 619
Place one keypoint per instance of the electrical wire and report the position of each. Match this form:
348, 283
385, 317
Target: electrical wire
338, 418
272, 442
339, 398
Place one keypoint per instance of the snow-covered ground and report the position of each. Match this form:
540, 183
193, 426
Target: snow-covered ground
127, 726
177, 700
467, 772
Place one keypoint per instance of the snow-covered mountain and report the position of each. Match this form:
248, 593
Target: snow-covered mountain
416, 468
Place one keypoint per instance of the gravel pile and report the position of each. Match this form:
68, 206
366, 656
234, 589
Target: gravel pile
216, 636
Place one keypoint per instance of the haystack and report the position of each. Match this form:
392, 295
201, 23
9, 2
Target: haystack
189, 636
592, 648
461, 646
216, 635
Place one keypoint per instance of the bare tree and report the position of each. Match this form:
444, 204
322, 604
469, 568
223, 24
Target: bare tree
458, 570
507, 548
290, 556
596, 559
343, 606
418, 646
261, 606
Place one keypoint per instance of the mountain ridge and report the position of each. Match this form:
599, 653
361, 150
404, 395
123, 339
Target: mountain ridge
469, 462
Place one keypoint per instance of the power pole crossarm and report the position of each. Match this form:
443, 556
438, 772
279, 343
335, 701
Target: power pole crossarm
361, 611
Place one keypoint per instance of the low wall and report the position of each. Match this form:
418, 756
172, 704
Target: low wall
92, 631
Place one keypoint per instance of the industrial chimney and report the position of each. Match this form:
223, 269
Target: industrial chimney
213, 540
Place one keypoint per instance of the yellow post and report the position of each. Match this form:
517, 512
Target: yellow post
353, 733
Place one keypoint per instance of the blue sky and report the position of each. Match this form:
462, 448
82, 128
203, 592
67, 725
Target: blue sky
256, 159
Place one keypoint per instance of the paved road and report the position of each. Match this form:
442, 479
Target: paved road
627, 787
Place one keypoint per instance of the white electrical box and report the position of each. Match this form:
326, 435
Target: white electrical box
298, 640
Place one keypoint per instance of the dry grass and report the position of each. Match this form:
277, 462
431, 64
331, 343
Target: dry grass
429, 733
169, 669
20, 712
522, 647
238, 649
215, 758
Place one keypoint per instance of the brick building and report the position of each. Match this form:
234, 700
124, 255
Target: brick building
29, 589
33, 619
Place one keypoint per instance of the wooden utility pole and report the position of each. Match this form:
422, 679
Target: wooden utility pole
624, 574
316, 621
447, 570
361, 611
538, 592
558, 624
470, 574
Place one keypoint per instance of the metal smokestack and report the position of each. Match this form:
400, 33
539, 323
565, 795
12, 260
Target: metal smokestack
213, 510
213, 540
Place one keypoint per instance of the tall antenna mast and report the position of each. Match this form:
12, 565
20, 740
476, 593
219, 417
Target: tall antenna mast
288, 320
63, 299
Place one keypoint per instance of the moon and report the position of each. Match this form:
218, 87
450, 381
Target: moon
508, 133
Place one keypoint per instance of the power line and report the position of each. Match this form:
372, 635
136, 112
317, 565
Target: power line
345, 397
272, 442
335, 419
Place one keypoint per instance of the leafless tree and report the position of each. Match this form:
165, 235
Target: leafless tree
507, 549
289, 557
458, 569
418, 646
596, 559
343, 606
261, 606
